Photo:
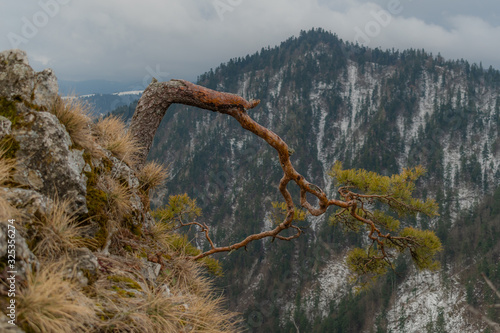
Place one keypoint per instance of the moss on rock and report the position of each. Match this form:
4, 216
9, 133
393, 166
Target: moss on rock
96, 204
135, 228
11, 146
128, 282
8, 109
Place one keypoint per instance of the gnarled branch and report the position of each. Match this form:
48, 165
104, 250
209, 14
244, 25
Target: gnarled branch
160, 95
157, 98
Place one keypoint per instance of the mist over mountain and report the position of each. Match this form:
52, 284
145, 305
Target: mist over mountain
103, 96
96, 87
378, 110
102, 104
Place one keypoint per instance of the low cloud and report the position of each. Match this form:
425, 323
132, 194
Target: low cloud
121, 39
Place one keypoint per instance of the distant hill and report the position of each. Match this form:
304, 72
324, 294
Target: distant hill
379, 110
105, 103
96, 87
104, 96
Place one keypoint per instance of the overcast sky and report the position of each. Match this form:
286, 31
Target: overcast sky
126, 40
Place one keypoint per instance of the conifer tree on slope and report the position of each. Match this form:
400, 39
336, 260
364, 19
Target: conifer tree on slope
367, 201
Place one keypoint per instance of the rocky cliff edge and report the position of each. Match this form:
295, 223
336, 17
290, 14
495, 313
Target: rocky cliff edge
80, 249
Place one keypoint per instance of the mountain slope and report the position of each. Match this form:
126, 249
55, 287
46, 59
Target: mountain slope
330, 100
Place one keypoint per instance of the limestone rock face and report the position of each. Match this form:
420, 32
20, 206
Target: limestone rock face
8, 328
81, 215
49, 167
25, 260
28, 202
5, 127
18, 79
85, 266
45, 161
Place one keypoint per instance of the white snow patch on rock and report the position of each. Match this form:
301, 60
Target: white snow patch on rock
421, 298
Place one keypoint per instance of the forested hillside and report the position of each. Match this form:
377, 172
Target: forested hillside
372, 109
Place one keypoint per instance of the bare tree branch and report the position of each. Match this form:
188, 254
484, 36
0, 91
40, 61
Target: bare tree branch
484, 318
491, 285
160, 95
157, 98
494, 325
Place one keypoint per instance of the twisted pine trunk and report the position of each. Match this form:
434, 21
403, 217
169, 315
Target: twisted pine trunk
158, 96
150, 110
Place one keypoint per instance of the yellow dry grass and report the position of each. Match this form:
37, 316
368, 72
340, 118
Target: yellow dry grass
118, 197
118, 204
6, 166
74, 114
160, 232
113, 135
51, 303
182, 273
185, 274
154, 309
59, 231
152, 175
7, 211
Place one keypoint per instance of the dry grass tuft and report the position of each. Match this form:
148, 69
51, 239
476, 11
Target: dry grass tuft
118, 204
206, 314
59, 231
113, 135
155, 309
118, 197
161, 232
51, 303
152, 175
74, 114
7, 165
6, 210
185, 274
